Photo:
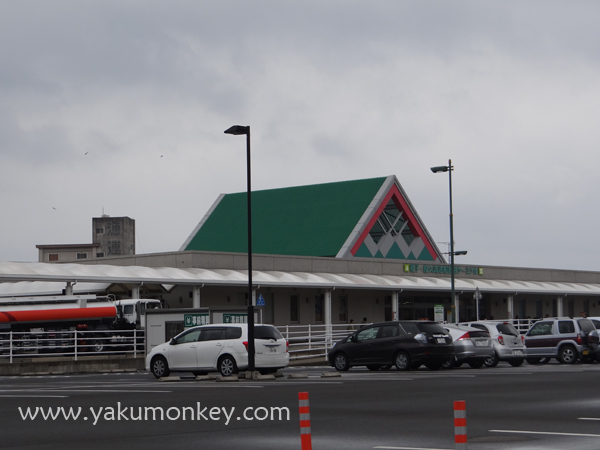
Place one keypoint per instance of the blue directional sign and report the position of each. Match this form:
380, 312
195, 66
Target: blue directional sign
260, 301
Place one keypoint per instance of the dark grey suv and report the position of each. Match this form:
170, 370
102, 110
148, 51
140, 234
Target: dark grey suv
563, 338
405, 344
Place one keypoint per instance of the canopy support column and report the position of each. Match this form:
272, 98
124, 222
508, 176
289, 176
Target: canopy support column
559, 306
395, 295
196, 297
510, 307
327, 319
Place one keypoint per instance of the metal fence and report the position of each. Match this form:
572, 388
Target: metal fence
305, 341
312, 341
522, 325
15, 346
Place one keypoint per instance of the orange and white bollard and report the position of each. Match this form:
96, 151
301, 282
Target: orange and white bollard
305, 436
460, 425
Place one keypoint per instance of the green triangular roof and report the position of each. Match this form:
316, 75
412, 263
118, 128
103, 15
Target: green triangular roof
313, 220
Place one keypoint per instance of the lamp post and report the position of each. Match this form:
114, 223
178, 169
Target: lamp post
239, 130
449, 168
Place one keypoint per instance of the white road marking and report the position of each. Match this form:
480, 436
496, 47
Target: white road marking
66, 389
34, 396
412, 448
128, 391
588, 418
551, 433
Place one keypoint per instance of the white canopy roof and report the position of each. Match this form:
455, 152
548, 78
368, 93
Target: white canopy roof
20, 288
82, 273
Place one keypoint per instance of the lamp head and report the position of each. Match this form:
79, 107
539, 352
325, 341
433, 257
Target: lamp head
237, 130
437, 169
460, 253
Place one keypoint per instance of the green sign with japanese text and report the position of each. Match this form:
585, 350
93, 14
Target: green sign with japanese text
192, 320
443, 269
235, 318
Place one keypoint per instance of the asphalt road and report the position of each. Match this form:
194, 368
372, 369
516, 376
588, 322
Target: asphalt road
530, 407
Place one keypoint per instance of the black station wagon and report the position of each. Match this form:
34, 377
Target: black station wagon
405, 344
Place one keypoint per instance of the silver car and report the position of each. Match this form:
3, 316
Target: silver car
471, 345
508, 344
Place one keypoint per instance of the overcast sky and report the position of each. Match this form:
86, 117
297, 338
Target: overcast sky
120, 106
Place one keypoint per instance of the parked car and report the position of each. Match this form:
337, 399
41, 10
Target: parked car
471, 345
222, 348
595, 321
405, 344
566, 339
508, 344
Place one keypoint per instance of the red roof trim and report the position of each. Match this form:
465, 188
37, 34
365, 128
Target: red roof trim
394, 193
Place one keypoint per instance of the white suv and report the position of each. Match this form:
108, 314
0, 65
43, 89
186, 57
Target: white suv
219, 347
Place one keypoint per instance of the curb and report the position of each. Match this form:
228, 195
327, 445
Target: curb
331, 375
227, 379
292, 376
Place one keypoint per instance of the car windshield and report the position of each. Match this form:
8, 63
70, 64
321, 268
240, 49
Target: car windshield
264, 332
507, 328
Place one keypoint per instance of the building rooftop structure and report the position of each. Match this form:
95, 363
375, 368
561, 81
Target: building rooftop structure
370, 218
111, 236
321, 254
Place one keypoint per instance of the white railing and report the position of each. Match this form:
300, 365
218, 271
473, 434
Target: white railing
522, 325
313, 341
15, 346
305, 341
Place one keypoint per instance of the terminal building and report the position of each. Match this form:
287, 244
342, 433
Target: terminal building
322, 254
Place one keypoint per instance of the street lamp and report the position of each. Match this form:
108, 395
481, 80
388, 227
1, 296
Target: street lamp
449, 168
239, 130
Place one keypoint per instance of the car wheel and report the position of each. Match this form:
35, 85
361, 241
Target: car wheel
492, 361
515, 362
97, 346
373, 367
434, 366
534, 360
567, 355
159, 367
402, 361
227, 366
341, 362
448, 364
476, 364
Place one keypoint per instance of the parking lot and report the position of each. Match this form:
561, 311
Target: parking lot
550, 406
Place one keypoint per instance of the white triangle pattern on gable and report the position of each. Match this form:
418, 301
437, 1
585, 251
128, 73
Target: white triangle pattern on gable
390, 228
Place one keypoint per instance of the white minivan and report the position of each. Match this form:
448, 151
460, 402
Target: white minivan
219, 347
